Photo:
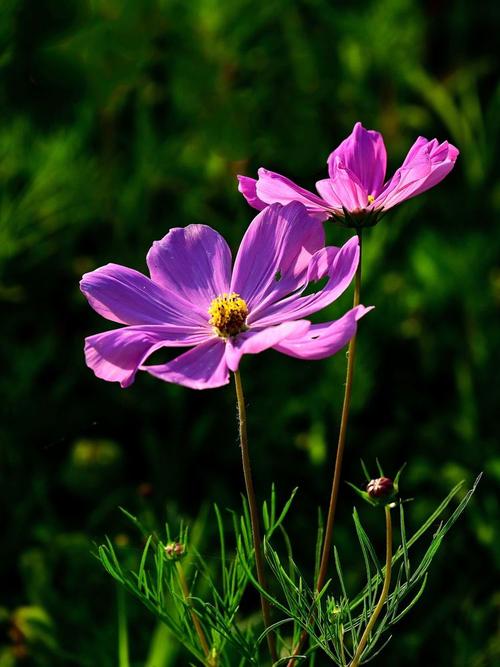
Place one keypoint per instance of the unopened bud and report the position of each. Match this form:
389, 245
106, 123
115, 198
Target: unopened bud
334, 610
381, 488
175, 550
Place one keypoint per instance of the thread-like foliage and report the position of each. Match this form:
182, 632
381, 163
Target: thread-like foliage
333, 618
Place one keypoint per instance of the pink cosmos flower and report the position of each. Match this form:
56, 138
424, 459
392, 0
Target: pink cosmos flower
193, 299
356, 191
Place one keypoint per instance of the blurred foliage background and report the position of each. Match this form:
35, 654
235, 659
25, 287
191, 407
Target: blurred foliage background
122, 118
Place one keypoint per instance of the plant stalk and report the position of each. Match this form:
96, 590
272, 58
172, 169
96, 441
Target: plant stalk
123, 653
346, 407
254, 514
196, 621
337, 471
385, 590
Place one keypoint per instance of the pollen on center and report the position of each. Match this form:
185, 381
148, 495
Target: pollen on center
228, 313
371, 199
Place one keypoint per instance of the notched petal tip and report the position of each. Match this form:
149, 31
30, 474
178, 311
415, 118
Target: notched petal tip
347, 259
105, 369
360, 311
323, 340
247, 187
201, 367
364, 156
272, 187
452, 152
88, 279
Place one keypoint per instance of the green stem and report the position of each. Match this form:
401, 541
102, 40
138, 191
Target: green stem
254, 514
346, 407
196, 621
163, 647
123, 655
327, 543
385, 590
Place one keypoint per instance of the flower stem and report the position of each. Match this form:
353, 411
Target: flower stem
385, 589
123, 654
351, 355
254, 514
196, 621
327, 543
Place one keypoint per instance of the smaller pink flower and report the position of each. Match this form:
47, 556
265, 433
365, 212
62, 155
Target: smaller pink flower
356, 192
194, 299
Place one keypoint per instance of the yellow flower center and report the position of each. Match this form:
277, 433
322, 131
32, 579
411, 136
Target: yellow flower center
228, 313
371, 199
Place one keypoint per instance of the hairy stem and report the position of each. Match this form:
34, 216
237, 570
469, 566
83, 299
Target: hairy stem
385, 590
254, 514
337, 471
196, 621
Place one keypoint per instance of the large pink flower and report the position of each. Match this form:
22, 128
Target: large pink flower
356, 188
193, 299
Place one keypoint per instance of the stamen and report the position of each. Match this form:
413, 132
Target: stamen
228, 313
371, 199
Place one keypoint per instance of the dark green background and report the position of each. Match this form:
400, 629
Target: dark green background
122, 118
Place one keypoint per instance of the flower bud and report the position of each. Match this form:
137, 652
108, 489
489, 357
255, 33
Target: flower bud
175, 550
381, 488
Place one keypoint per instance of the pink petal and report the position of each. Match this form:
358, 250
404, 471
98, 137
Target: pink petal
323, 340
341, 266
272, 188
344, 191
321, 264
362, 153
202, 367
253, 342
444, 151
329, 194
246, 186
404, 182
194, 262
443, 157
126, 296
274, 254
116, 355
419, 144
426, 164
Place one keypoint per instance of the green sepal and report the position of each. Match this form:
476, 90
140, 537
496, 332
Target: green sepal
363, 494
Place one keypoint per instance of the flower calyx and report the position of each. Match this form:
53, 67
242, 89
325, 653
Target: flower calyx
380, 491
358, 219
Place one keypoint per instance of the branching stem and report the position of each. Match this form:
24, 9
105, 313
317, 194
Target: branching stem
385, 590
254, 514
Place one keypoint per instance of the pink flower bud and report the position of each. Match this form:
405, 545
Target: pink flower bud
381, 488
